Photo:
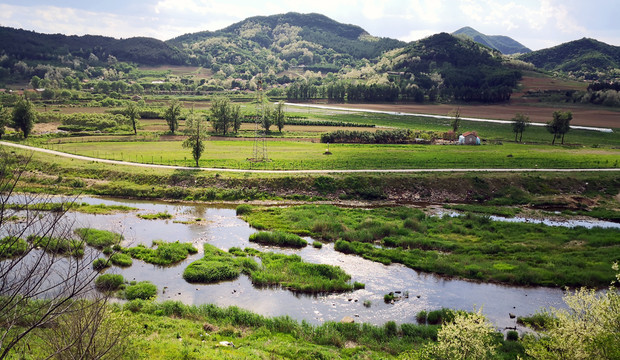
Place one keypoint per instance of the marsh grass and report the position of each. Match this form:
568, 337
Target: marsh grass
11, 246
142, 290
60, 246
73, 206
120, 259
289, 271
157, 216
469, 246
165, 254
98, 238
216, 266
278, 238
109, 282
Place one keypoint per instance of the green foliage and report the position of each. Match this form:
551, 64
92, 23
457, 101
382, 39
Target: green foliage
143, 290
98, 238
197, 134
560, 124
539, 321
317, 244
11, 246
589, 328
120, 259
587, 58
215, 266
278, 238
23, 117
100, 264
519, 123
400, 136
243, 209
224, 115
468, 336
156, 216
61, 246
469, 246
291, 272
172, 113
166, 253
109, 282
133, 113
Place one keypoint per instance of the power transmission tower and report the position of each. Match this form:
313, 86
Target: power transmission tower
259, 152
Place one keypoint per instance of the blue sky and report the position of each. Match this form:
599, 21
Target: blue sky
535, 23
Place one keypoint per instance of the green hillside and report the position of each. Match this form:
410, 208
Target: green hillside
279, 41
503, 44
31, 46
585, 58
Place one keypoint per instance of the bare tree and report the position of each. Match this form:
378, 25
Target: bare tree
39, 283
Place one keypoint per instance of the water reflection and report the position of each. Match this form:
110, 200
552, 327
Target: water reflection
221, 227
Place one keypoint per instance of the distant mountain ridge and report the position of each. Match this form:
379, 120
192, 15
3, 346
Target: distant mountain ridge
503, 44
584, 56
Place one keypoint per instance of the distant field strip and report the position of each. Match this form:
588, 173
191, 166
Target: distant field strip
398, 113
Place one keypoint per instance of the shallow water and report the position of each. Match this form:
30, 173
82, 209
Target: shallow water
222, 228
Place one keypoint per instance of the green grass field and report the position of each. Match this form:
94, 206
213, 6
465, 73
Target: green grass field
291, 155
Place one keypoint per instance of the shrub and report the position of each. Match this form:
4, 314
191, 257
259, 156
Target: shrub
421, 317
243, 209
317, 244
109, 282
143, 290
358, 285
12, 246
278, 238
512, 335
100, 264
120, 259
98, 238
206, 271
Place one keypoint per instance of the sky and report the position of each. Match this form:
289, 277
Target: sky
536, 24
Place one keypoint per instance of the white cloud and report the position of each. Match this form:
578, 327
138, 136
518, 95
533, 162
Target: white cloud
414, 35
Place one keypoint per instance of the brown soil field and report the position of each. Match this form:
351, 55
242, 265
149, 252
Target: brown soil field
539, 113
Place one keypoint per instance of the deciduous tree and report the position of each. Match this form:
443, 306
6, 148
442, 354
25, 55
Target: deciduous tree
560, 124
197, 135
133, 113
279, 118
456, 120
519, 123
172, 114
23, 117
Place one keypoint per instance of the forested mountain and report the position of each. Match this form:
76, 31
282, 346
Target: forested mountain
312, 40
581, 58
504, 44
29, 45
298, 56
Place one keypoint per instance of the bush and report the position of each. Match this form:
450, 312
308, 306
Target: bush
98, 238
512, 335
109, 282
278, 238
120, 259
317, 244
143, 290
243, 209
206, 271
100, 264
358, 285
421, 317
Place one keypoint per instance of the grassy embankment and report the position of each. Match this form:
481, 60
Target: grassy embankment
469, 246
51, 174
173, 330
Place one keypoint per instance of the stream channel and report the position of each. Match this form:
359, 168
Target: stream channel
222, 228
